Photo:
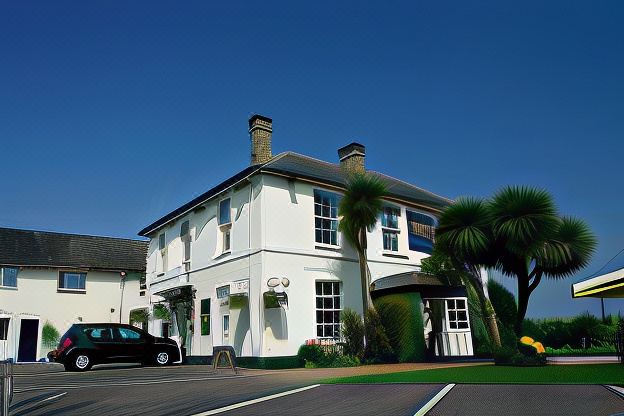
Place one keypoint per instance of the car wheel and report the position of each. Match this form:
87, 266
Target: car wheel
162, 358
81, 362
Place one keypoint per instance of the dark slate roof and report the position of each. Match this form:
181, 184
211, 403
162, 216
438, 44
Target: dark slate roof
48, 249
305, 167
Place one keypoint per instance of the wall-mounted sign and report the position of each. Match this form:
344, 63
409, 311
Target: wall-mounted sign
273, 282
239, 287
223, 292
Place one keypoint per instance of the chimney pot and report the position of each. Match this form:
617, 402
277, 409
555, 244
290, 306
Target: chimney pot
352, 157
260, 131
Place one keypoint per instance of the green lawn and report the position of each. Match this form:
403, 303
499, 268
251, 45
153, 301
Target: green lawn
550, 374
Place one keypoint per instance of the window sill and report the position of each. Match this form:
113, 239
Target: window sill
77, 291
394, 254
223, 254
8, 287
321, 246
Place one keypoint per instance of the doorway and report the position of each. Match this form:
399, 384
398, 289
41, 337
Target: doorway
29, 334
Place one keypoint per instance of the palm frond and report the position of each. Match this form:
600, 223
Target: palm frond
568, 251
523, 216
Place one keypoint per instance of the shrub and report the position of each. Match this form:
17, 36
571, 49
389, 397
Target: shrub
401, 318
314, 356
378, 348
162, 312
49, 335
504, 303
353, 333
310, 353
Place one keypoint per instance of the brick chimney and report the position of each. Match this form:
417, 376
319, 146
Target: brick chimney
352, 158
260, 130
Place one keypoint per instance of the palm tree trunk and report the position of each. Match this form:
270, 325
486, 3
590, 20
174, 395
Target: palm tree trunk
364, 274
488, 313
523, 303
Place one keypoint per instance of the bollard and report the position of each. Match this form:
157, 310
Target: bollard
6, 387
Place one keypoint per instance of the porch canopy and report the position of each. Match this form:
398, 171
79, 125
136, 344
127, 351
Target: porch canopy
428, 285
608, 285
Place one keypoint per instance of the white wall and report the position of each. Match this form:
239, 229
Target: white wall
37, 294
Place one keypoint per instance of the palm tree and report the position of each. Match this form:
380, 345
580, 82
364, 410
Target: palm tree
462, 243
359, 210
520, 233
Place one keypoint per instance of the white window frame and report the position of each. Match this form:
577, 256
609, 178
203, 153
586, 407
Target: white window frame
2, 285
164, 255
321, 217
225, 229
63, 289
316, 309
225, 333
385, 229
455, 309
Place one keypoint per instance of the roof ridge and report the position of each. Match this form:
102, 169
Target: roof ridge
289, 152
73, 234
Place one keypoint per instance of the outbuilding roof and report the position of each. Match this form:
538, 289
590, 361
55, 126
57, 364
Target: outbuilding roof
50, 249
300, 166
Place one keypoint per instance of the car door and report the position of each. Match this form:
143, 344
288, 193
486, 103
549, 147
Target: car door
108, 347
134, 343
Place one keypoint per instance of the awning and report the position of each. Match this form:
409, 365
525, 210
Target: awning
428, 285
608, 285
178, 292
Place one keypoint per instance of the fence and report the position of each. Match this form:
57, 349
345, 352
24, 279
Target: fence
6, 387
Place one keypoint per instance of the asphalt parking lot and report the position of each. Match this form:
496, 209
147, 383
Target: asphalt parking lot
198, 390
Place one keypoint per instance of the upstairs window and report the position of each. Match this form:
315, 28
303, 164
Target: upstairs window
326, 217
225, 215
8, 276
72, 281
390, 228
421, 231
185, 236
162, 246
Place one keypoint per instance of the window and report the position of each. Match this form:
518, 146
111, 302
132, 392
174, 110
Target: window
328, 307
8, 276
224, 212
205, 316
162, 246
128, 334
390, 228
72, 281
326, 217
142, 285
226, 239
457, 314
4, 329
185, 236
421, 231
226, 326
99, 334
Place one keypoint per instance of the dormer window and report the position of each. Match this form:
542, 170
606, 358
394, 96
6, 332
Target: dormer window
390, 228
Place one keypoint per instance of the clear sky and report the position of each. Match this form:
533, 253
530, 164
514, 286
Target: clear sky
114, 113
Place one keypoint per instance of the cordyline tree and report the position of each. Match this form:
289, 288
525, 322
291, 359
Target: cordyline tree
359, 210
519, 233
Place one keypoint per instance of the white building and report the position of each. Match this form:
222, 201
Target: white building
257, 262
64, 279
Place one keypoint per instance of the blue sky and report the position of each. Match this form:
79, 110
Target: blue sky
114, 113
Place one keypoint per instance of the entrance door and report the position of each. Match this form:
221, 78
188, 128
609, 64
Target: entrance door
29, 332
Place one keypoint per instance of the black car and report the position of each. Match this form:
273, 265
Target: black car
85, 345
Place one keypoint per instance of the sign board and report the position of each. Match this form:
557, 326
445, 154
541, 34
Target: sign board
240, 287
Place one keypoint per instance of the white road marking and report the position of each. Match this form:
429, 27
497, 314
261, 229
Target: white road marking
434, 400
56, 396
254, 401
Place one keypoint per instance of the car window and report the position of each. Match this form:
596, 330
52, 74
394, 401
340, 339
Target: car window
99, 334
129, 334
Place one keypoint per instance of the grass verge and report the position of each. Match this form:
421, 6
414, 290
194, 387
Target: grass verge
550, 374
